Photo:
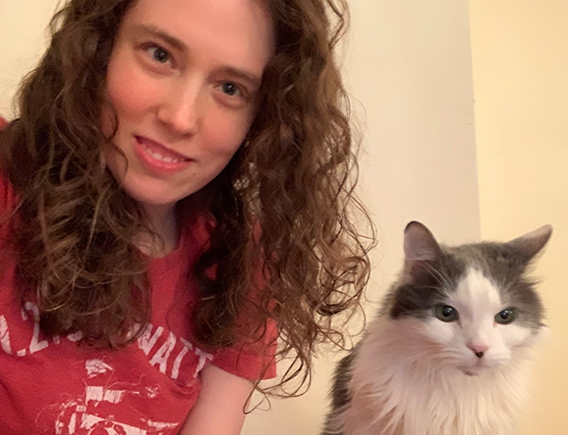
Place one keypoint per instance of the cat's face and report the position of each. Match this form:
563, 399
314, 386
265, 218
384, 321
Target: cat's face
475, 308
478, 326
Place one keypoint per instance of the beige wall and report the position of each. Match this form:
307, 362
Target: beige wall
520, 69
22, 29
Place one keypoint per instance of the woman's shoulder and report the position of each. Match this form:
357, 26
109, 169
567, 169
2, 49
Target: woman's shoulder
6, 190
8, 203
8, 198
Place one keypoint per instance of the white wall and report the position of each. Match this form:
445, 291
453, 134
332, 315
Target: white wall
408, 68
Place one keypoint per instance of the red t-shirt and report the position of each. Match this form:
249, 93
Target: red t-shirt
56, 386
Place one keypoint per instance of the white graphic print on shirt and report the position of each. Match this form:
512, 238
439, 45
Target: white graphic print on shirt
158, 356
79, 415
84, 414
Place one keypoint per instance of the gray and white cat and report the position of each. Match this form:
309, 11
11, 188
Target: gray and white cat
446, 354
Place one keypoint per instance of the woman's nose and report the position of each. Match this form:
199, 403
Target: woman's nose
181, 109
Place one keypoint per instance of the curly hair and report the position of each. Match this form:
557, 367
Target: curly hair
284, 206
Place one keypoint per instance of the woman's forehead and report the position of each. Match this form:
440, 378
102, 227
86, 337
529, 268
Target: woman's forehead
237, 30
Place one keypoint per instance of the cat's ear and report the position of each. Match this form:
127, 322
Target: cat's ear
420, 244
420, 248
529, 245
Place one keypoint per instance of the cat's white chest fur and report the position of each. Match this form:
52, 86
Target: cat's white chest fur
418, 377
394, 394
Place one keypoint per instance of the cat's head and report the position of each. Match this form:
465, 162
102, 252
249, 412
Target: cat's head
477, 307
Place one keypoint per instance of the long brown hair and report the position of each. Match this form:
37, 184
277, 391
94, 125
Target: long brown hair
284, 207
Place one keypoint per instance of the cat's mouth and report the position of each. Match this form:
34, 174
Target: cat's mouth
475, 370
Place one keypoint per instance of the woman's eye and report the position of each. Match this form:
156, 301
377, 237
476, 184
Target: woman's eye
229, 88
159, 54
446, 313
506, 316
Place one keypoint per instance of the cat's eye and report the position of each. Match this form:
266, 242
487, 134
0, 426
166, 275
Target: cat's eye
446, 313
506, 316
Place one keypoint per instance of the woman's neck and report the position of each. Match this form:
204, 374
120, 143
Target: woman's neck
162, 220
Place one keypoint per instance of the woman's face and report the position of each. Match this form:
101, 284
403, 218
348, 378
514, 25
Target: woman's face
183, 79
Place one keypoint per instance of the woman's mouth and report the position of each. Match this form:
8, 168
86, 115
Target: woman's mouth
158, 158
160, 152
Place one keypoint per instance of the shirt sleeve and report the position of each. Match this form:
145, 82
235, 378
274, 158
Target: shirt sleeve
252, 359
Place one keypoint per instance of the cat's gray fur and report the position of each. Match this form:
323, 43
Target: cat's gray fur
431, 272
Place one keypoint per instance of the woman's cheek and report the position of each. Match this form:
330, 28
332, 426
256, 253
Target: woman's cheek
130, 89
227, 130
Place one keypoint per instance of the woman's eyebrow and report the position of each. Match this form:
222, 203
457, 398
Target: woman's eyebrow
162, 34
253, 79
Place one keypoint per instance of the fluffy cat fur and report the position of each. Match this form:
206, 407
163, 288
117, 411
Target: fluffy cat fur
415, 374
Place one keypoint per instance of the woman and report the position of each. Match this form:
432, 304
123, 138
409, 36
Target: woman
175, 190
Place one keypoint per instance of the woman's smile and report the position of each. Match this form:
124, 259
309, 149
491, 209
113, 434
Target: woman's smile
158, 158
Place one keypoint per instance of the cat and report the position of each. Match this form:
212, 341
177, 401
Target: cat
446, 353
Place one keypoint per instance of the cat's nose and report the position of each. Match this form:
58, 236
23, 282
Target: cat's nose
478, 349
